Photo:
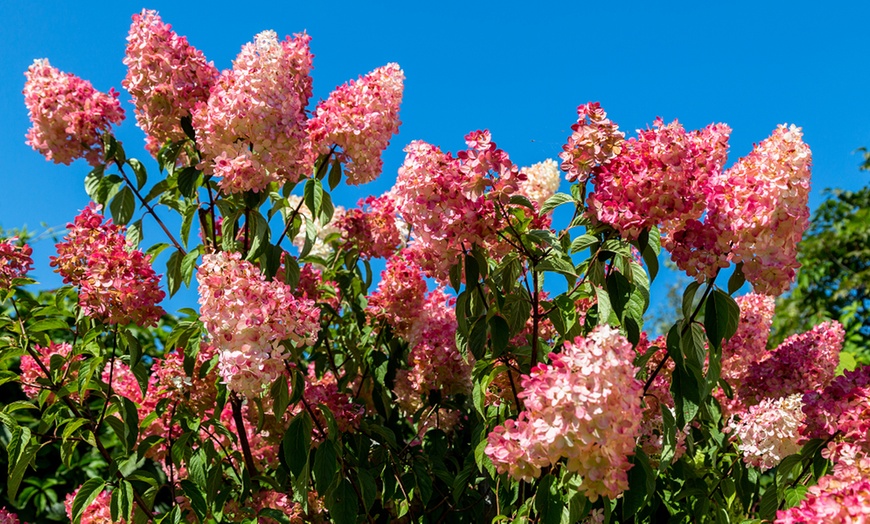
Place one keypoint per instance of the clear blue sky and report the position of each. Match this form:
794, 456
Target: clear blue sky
517, 68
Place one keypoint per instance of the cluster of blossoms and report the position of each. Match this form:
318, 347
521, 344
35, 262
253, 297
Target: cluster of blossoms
747, 346
768, 431
7, 517
400, 294
31, 371
252, 129
360, 117
15, 261
594, 141
374, 227
166, 76
841, 496
662, 177
324, 390
435, 365
268, 499
803, 362
68, 114
756, 214
842, 409
117, 285
248, 318
585, 407
542, 181
449, 203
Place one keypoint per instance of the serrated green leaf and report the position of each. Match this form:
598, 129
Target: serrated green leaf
173, 272
86, 494
297, 443
188, 181
342, 503
48, 324
123, 206
196, 498
139, 171
325, 466
555, 201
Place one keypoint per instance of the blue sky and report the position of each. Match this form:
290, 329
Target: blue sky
518, 69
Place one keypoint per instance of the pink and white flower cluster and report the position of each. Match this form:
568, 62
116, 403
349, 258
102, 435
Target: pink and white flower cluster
841, 411
803, 362
662, 177
166, 76
97, 512
252, 129
248, 318
434, 363
360, 117
15, 261
117, 285
400, 294
374, 227
594, 142
450, 203
768, 432
68, 114
756, 214
747, 346
584, 407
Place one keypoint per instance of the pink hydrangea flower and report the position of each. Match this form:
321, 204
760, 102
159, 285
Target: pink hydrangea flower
662, 177
747, 346
831, 500
252, 130
595, 140
7, 517
15, 261
374, 227
434, 363
768, 431
756, 214
400, 295
449, 203
841, 409
324, 390
248, 318
166, 76
802, 363
67, 114
30, 370
360, 117
584, 407
117, 285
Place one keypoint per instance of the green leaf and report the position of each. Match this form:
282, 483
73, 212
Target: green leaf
280, 396
93, 181
721, 316
325, 466
368, 488
139, 171
582, 242
342, 503
604, 307
123, 206
173, 272
472, 272
48, 324
737, 279
555, 201
297, 443
689, 299
477, 338
548, 502
769, 503
641, 485
121, 505
188, 181
196, 498
134, 233
313, 195
86, 494
334, 174
499, 333
619, 290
